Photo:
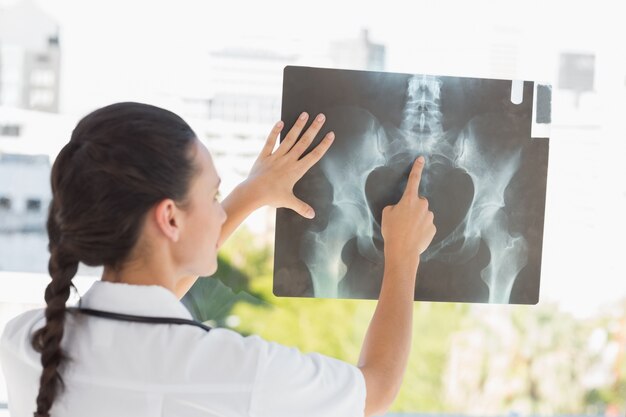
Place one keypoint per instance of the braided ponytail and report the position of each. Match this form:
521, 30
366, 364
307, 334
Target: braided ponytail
47, 340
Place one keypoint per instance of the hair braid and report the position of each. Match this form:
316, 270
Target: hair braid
47, 340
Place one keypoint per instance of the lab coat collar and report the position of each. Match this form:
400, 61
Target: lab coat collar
143, 300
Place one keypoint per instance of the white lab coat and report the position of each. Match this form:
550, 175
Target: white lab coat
136, 369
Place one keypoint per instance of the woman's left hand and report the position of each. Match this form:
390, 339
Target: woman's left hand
274, 173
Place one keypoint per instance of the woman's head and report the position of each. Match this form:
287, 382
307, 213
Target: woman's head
133, 180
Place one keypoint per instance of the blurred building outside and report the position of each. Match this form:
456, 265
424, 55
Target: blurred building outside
30, 58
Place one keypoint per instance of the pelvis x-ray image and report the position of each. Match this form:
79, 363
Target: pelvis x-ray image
485, 179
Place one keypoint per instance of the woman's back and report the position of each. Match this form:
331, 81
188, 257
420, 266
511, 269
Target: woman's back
137, 369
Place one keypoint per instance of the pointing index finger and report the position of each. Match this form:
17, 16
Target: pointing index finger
413, 184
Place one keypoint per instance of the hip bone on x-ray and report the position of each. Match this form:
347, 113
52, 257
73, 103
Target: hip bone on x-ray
486, 147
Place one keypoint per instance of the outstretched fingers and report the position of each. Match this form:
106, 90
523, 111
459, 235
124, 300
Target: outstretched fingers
307, 137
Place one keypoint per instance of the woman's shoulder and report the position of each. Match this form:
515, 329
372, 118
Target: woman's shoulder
16, 331
245, 350
227, 340
253, 344
23, 321
267, 351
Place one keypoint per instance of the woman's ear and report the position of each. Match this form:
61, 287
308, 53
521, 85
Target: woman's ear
167, 217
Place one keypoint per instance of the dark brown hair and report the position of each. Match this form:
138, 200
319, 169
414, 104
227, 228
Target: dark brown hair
120, 161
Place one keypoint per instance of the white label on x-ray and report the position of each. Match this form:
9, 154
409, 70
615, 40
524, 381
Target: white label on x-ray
517, 91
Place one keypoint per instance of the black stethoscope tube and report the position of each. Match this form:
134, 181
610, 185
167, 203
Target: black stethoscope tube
139, 319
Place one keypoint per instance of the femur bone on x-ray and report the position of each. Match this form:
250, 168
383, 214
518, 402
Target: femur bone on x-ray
486, 153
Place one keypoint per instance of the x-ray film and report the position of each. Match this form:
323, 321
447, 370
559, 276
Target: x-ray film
486, 147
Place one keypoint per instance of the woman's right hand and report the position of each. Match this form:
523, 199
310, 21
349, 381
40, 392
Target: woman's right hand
407, 227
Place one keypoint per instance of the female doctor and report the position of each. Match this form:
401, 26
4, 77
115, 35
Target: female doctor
135, 190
